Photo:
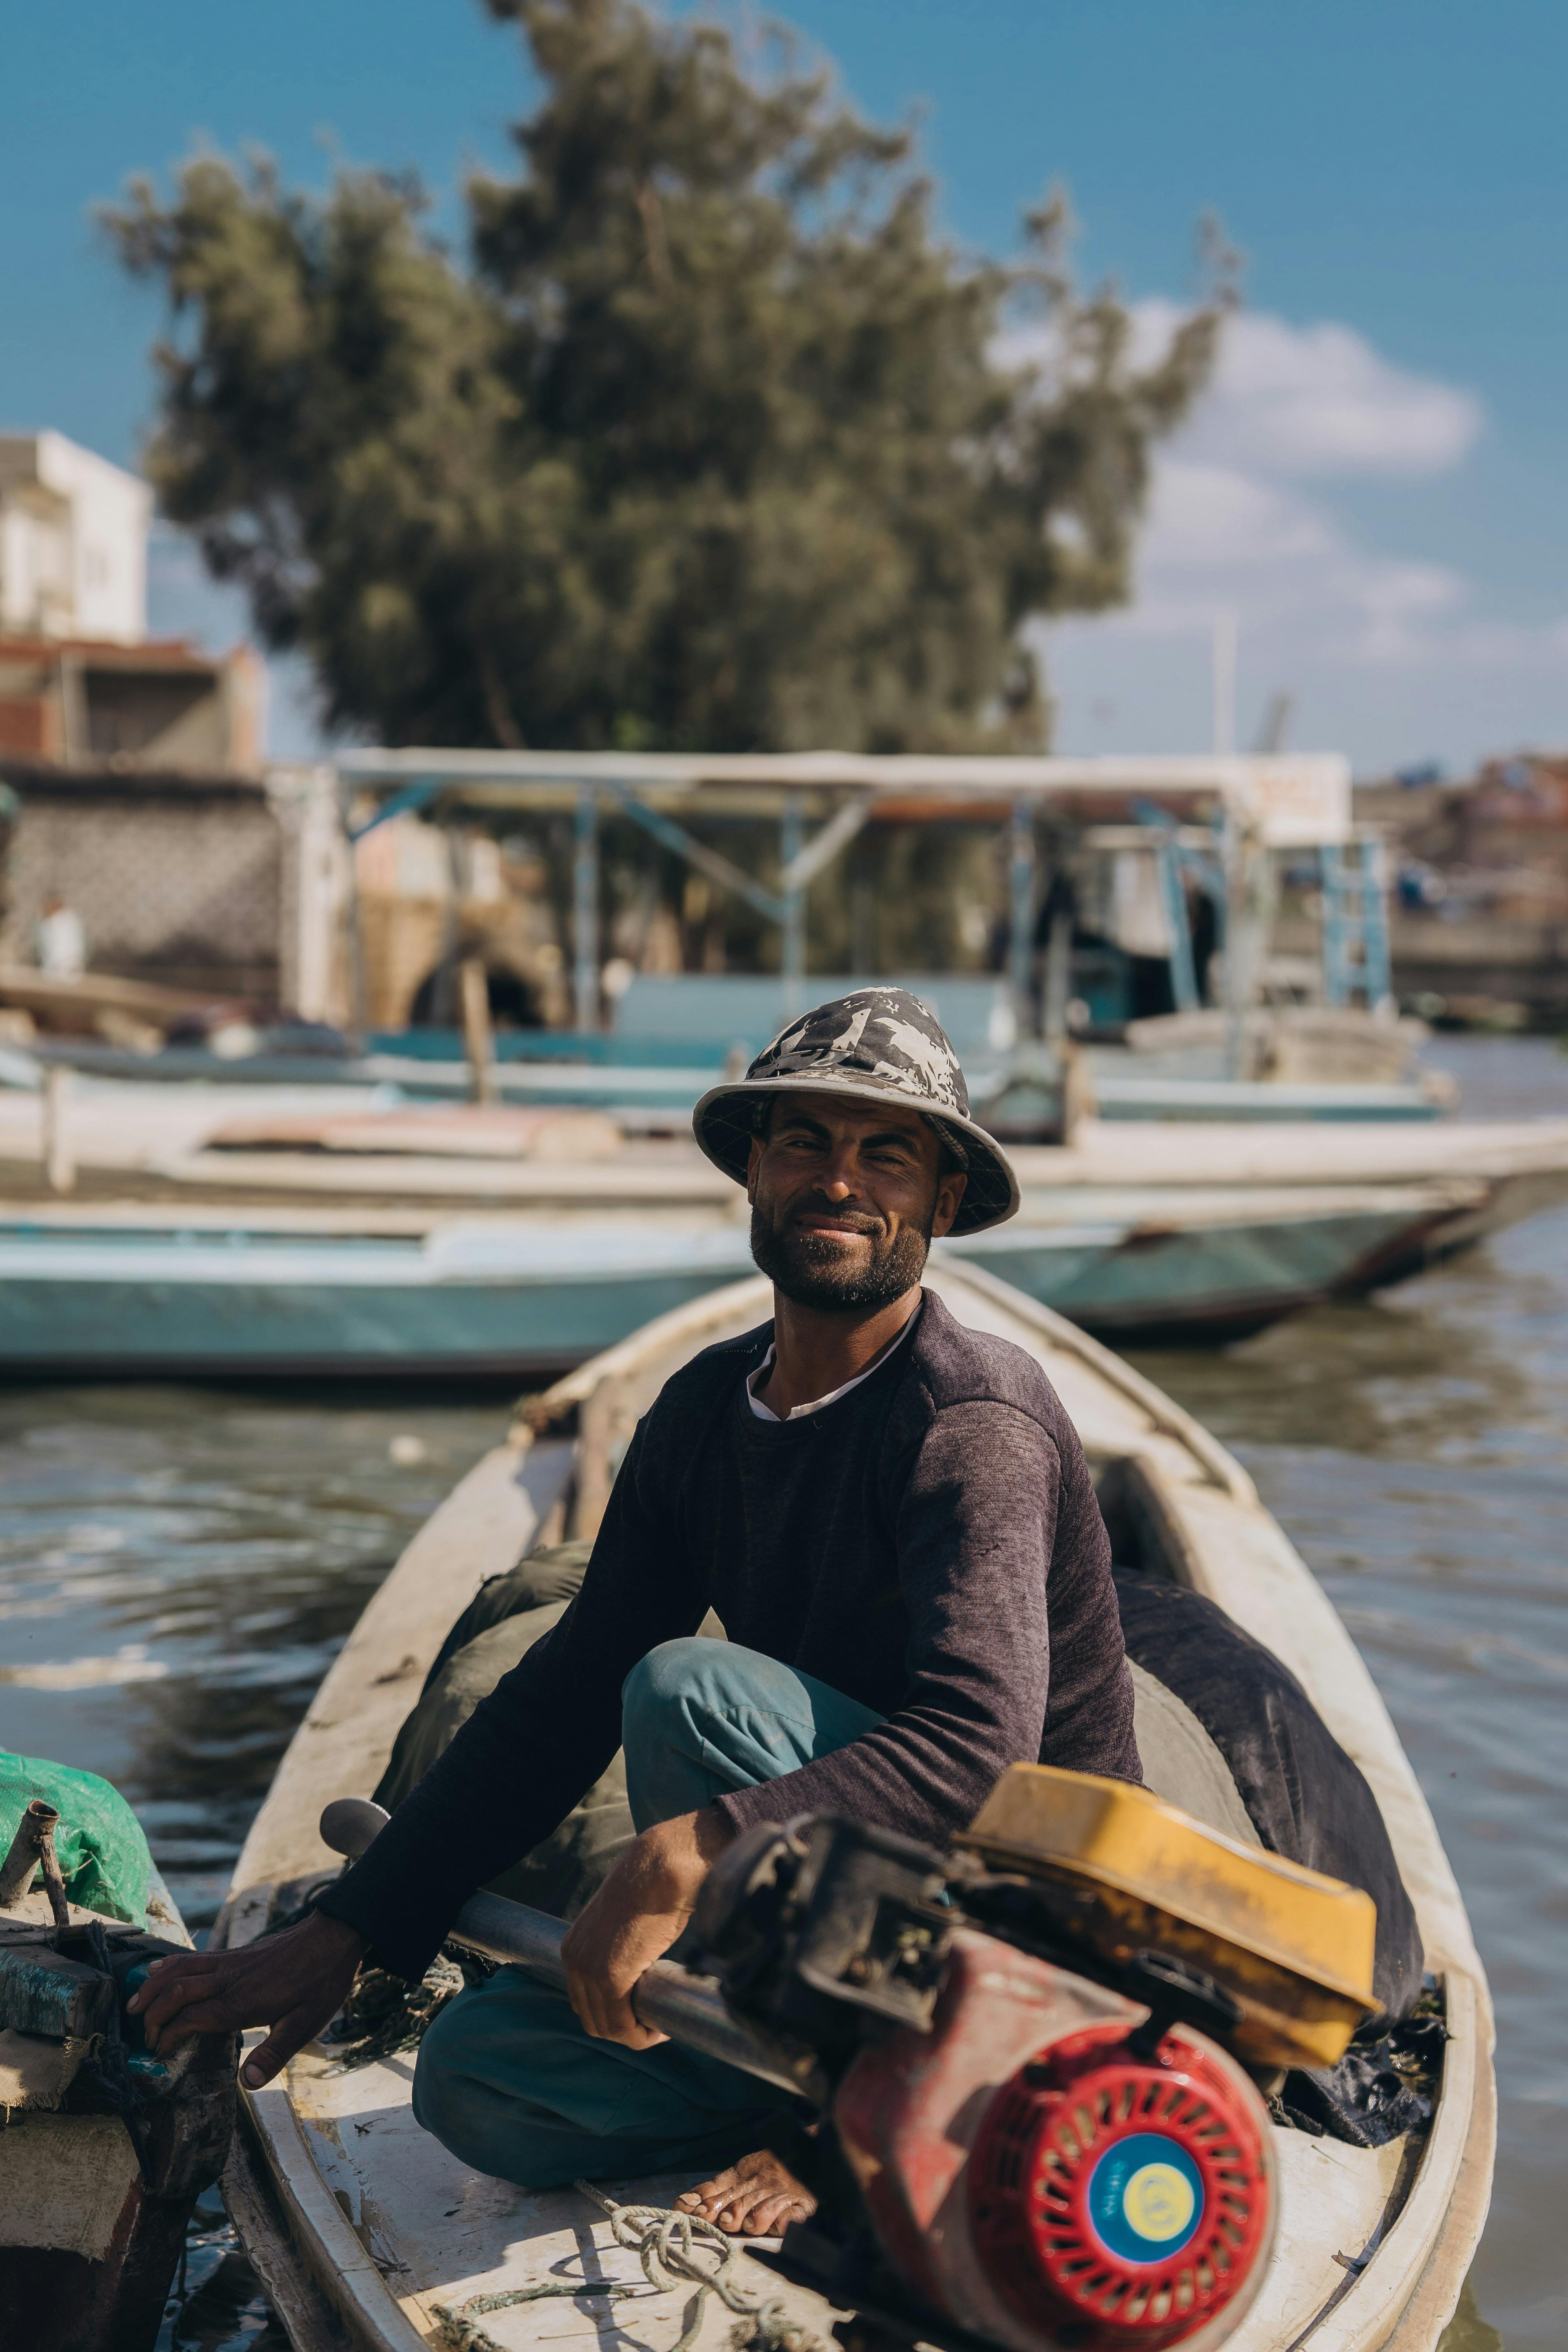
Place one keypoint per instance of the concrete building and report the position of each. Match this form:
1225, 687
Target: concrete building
73, 542
1479, 932
80, 682
227, 886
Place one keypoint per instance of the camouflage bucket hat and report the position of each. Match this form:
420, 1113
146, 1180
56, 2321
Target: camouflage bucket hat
876, 1045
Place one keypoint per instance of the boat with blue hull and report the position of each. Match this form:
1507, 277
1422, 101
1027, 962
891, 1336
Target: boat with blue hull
152, 1293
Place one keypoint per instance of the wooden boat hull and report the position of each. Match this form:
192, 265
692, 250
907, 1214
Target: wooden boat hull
366, 2229
90, 2238
81, 2291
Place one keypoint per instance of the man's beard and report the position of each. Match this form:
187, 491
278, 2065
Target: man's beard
812, 1269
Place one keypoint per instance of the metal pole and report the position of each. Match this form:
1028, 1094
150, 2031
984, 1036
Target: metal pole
585, 908
1021, 917
1233, 856
668, 1998
793, 957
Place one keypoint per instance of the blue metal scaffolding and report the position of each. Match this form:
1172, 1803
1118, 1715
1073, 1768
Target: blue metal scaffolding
1356, 957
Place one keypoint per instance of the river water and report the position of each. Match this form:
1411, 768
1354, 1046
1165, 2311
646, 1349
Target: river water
178, 1566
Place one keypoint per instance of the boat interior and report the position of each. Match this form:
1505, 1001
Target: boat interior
363, 2227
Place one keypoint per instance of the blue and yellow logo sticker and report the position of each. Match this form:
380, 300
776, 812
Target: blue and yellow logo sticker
1146, 2198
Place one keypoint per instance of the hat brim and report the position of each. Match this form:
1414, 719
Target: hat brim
724, 1122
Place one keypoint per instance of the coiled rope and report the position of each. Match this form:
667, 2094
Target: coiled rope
676, 2250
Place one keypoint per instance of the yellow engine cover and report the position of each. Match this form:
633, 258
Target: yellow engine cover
1293, 1947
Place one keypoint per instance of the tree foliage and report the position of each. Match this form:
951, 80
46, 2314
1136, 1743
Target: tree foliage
708, 444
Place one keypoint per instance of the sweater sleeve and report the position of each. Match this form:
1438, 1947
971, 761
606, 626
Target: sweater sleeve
976, 1527
532, 1747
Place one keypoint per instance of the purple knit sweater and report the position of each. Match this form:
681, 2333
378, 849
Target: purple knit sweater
931, 1545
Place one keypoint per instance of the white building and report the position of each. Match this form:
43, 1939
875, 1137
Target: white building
73, 542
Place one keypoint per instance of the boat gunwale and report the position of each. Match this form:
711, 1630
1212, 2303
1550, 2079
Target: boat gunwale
718, 1307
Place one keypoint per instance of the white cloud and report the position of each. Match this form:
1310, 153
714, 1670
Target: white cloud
1246, 511
1216, 536
1319, 402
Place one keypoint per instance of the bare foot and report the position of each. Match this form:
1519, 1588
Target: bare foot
758, 2196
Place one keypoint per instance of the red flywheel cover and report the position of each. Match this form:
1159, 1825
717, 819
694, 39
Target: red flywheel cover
1130, 2194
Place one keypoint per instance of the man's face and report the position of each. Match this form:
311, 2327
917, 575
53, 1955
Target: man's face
845, 1198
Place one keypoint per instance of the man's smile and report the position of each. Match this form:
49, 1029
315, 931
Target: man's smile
841, 1223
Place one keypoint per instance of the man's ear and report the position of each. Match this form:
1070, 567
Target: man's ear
753, 1161
949, 1192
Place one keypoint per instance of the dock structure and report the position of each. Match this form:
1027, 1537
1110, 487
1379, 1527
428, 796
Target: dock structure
1205, 820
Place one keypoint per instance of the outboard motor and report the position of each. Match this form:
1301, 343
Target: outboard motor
1043, 2128
1099, 2181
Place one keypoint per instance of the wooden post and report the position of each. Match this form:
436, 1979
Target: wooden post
59, 1168
479, 1039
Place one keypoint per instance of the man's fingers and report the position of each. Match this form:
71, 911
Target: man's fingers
619, 2021
639, 2037
609, 2016
175, 1969
179, 1991
290, 2033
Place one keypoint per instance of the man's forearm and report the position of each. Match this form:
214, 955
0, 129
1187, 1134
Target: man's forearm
635, 1917
512, 1773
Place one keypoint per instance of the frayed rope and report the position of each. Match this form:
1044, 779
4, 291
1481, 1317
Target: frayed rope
676, 2250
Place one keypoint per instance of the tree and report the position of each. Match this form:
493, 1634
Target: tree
708, 445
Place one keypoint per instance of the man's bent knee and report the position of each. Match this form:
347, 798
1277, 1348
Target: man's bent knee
665, 1679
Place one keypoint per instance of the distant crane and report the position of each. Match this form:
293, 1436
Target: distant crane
1276, 719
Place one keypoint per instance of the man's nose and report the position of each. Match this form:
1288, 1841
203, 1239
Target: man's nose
840, 1178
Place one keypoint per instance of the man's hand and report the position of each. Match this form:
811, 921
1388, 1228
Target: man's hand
632, 1920
293, 1982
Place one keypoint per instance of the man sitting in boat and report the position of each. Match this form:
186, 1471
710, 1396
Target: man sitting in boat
891, 1517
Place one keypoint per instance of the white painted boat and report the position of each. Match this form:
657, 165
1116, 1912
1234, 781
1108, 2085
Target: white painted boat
628, 1089
156, 1293
156, 1142
366, 2231
1519, 1168
1177, 1099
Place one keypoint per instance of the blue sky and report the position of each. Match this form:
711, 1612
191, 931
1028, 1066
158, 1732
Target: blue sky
1378, 483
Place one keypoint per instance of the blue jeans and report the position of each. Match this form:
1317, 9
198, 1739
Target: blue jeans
507, 2078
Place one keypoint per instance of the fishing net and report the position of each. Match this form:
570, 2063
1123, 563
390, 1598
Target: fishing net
103, 1855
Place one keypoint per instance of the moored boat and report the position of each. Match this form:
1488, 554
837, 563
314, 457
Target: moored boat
103, 2150
364, 2228
158, 1293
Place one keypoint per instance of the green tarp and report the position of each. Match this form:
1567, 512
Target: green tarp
103, 1855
